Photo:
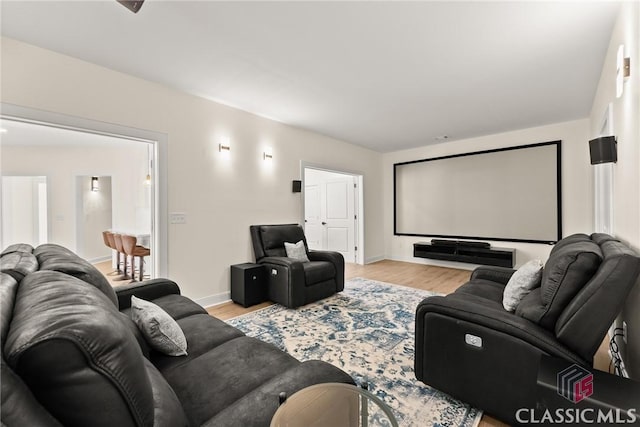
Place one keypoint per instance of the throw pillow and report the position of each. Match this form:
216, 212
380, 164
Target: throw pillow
296, 250
523, 281
159, 329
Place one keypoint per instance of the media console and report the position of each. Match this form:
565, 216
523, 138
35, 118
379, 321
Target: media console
469, 252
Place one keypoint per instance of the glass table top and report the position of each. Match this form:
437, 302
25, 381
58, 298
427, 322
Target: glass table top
335, 405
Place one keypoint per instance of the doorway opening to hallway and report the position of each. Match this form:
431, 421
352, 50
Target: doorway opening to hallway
82, 181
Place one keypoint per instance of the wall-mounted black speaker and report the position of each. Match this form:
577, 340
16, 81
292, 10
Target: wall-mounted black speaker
603, 150
133, 5
296, 186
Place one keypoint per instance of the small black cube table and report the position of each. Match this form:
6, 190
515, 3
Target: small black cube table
248, 284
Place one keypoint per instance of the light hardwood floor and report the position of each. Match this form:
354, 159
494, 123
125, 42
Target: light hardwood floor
436, 279
108, 271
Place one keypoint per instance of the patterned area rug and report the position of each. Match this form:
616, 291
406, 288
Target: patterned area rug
368, 331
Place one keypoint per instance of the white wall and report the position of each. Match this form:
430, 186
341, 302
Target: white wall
626, 172
62, 164
576, 185
221, 196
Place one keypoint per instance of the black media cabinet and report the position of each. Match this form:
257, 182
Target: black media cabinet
470, 252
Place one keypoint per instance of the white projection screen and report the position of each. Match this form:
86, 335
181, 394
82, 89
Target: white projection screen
510, 194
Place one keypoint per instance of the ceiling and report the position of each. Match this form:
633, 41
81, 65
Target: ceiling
384, 75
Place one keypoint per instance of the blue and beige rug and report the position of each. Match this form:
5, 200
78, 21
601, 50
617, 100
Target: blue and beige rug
368, 331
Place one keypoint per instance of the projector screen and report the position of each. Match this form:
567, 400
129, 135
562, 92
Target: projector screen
510, 194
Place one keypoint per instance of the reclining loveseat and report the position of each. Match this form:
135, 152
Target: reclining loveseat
470, 347
72, 356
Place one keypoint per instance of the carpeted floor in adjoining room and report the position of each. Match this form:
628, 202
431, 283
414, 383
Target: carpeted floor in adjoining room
368, 331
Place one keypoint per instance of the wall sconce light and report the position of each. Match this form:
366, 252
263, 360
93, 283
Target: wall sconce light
224, 145
147, 179
268, 154
623, 70
603, 150
94, 183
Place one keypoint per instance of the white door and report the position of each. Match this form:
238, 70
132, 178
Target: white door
313, 228
24, 210
340, 218
330, 216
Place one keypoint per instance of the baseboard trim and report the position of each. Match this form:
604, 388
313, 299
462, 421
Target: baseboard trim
373, 259
213, 300
437, 263
99, 259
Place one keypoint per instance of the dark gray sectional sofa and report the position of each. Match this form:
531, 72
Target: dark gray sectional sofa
72, 355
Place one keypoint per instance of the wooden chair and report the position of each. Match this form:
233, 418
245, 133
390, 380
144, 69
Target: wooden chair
110, 242
132, 249
120, 248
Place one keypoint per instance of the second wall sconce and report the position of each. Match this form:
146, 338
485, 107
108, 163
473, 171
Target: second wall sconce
225, 145
268, 154
623, 70
94, 183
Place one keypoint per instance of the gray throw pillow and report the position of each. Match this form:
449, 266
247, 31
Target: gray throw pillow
158, 328
296, 250
523, 281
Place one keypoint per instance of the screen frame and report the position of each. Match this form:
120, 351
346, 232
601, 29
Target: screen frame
557, 143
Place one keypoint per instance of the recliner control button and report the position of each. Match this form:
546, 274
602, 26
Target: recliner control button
473, 340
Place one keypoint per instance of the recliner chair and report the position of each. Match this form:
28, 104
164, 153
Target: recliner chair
291, 282
470, 347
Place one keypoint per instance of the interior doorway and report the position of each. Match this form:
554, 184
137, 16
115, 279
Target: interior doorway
333, 212
93, 182
154, 178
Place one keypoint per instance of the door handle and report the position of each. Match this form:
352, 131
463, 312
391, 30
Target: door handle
324, 223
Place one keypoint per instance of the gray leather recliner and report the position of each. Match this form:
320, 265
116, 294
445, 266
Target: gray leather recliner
470, 347
291, 282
